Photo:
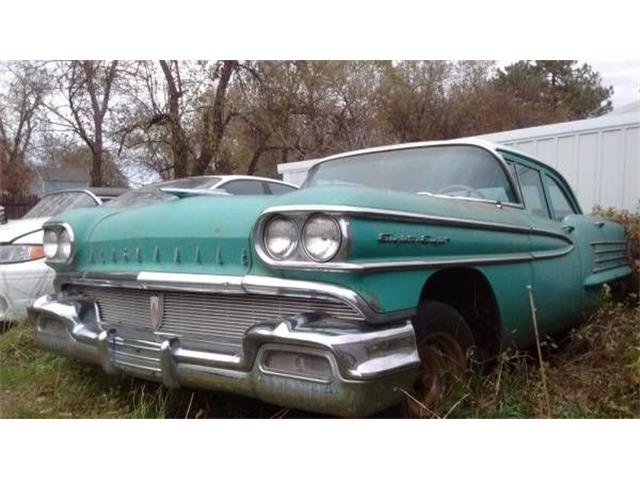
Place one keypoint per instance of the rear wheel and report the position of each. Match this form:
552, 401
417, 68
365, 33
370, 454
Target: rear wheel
445, 343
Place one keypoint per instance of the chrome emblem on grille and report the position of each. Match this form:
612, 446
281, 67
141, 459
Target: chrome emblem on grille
155, 310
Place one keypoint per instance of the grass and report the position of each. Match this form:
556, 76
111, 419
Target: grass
592, 373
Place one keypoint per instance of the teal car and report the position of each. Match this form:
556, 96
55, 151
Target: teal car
357, 292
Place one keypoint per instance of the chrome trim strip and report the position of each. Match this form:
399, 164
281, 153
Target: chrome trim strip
611, 267
610, 259
226, 283
432, 262
621, 249
454, 261
496, 203
413, 217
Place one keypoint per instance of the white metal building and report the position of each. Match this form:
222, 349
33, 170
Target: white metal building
599, 157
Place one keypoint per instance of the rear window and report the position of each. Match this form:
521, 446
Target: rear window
152, 193
59, 202
279, 188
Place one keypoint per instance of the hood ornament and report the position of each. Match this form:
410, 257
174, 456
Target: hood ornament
155, 310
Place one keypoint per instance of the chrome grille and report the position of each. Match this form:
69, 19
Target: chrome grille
206, 316
136, 354
609, 255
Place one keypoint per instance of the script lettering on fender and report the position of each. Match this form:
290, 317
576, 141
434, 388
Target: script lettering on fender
412, 239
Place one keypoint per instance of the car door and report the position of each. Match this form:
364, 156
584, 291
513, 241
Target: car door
556, 259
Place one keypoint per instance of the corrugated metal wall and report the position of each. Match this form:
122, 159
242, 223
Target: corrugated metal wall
600, 158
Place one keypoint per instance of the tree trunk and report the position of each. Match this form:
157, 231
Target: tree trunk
214, 121
96, 160
179, 143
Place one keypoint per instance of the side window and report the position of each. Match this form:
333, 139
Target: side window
278, 188
532, 192
512, 171
244, 187
560, 204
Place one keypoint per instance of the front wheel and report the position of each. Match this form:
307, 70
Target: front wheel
445, 343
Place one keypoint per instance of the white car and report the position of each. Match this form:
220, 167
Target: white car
207, 184
24, 275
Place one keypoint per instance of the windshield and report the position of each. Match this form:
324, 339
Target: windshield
456, 170
59, 202
152, 193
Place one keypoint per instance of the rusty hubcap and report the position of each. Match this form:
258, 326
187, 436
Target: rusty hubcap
443, 363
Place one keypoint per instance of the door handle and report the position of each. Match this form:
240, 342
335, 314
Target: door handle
599, 224
568, 228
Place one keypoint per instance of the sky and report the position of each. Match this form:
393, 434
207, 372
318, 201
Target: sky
623, 75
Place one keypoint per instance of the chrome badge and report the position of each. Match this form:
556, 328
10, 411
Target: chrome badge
155, 310
412, 239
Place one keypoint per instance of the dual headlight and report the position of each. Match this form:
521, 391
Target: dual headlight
318, 237
58, 243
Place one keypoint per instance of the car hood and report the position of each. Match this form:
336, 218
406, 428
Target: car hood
200, 234
17, 228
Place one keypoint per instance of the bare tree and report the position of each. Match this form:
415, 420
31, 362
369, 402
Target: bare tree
187, 115
87, 87
19, 107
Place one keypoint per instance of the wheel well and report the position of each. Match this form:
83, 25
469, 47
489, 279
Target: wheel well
468, 291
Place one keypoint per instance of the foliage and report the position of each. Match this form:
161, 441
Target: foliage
175, 118
593, 372
548, 88
631, 223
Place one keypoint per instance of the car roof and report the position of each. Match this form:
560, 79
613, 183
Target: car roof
107, 191
495, 148
228, 178
98, 193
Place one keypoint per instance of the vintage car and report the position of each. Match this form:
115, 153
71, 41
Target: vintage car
360, 290
24, 276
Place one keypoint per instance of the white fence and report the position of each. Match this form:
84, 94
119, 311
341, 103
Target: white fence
600, 157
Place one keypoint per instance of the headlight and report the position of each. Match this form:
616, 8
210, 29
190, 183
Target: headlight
280, 238
64, 245
20, 253
50, 243
58, 243
321, 237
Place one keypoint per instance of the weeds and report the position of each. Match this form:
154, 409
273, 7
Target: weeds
592, 373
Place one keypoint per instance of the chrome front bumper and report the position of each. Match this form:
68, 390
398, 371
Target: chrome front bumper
366, 362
